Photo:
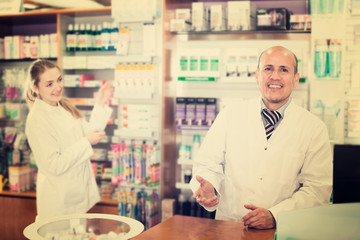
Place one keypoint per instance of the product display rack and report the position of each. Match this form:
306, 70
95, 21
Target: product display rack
56, 22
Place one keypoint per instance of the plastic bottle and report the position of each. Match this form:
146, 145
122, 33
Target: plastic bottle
98, 41
76, 32
26, 47
321, 54
82, 38
195, 145
93, 36
70, 39
105, 37
114, 37
89, 35
334, 58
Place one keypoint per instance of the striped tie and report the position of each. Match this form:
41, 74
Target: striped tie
272, 117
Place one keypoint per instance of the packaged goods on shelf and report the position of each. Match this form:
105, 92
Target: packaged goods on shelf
241, 15
179, 25
8, 47
77, 80
150, 45
200, 17
300, 22
123, 42
21, 178
328, 111
183, 13
134, 81
74, 62
195, 111
218, 18
135, 162
182, 21
240, 64
100, 62
353, 120
273, 19
141, 205
100, 154
327, 58
53, 45
23, 47
18, 47
199, 64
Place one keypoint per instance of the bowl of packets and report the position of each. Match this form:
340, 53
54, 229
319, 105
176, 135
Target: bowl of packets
89, 226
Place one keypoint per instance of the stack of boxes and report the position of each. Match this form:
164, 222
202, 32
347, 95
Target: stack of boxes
21, 178
236, 16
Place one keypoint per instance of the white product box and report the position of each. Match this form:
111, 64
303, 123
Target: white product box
17, 47
34, 46
200, 17
241, 15
179, 25
26, 47
44, 46
53, 45
100, 62
8, 47
74, 62
2, 50
217, 18
149, 46
183, 13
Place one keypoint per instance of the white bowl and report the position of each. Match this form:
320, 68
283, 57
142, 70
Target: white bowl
82, 226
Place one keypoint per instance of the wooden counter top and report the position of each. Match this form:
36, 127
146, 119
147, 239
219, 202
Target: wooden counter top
183, 227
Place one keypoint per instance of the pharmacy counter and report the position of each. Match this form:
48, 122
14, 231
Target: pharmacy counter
18, 210
183, 227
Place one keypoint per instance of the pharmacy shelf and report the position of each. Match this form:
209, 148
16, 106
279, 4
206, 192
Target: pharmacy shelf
24, 60
192, 128
246, 35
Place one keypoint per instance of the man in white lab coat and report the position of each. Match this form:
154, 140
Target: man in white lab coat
254, 164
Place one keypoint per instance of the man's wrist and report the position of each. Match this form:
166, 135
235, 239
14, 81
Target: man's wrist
273, 219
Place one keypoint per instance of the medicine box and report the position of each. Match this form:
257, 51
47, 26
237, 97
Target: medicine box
300, 22
17, 47
241, 15
217, 18
200, 17
183, 13
273, 18
179, 25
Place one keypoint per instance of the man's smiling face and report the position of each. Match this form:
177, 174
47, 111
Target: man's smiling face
276, 76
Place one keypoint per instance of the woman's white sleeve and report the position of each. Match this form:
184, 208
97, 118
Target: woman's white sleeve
50, 157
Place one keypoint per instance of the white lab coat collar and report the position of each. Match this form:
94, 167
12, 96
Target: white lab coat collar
43, 105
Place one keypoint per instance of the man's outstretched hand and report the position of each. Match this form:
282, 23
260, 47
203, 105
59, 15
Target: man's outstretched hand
205, 195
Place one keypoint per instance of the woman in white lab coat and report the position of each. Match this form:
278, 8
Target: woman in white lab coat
61, 141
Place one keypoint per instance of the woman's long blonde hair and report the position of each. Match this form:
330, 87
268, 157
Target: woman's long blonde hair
37, 68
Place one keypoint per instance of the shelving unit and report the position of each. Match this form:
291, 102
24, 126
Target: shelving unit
57, 21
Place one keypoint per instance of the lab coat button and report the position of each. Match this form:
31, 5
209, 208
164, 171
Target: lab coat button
265, 148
